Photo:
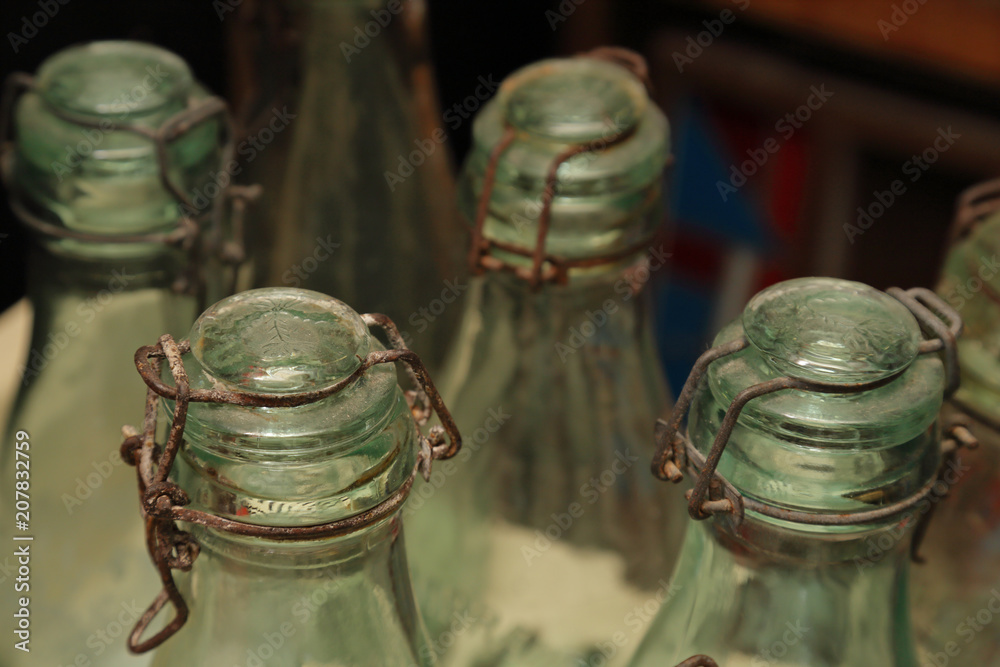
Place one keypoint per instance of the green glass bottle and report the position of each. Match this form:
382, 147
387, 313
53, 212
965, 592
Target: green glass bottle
956, 592
338, 100
819, 408
295, 453
554, 378
110, 265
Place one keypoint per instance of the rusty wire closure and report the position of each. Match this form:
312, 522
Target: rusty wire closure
698, 661
545, 267
188, 230
163, 501
973, 206
713, 494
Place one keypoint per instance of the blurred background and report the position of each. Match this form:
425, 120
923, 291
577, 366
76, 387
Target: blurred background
811, 138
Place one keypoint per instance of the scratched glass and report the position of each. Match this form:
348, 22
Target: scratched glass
555, 532
956, 594
776, 592
93, 304
340, 601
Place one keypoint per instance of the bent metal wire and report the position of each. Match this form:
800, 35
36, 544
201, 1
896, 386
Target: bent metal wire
162, 501
714, 494
186, 234
546, 268
974, 205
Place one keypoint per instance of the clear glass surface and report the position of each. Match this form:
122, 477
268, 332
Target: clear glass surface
343, 601
358, 187
775, 592
94, 304
959, 585
548, 527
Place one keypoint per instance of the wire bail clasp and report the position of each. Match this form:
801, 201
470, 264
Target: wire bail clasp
163, 502
713, 494
230, 250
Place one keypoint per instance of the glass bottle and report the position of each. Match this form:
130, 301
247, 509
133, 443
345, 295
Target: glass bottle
338, 101
830, 464
554, 378
956, 593
102, 280
341, 455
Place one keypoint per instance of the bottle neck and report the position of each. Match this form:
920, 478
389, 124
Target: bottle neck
344, 600
788, 596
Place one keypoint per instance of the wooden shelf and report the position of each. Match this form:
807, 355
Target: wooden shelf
959, 37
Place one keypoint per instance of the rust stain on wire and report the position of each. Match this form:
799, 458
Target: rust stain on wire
163, 501
713, 493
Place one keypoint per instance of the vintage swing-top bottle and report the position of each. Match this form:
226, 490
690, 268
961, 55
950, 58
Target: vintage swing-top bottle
342, 600
353, 157
562, 534
956, 592
833, 461
102, 280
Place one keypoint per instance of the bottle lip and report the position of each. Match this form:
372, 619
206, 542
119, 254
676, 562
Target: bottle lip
113, 78
831, 330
